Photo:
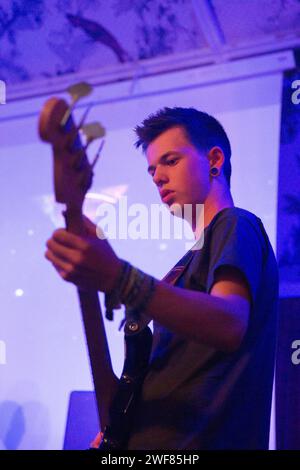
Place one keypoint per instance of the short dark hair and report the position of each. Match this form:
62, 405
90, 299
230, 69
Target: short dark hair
203, 131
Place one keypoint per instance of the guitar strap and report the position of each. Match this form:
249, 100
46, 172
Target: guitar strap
177, 271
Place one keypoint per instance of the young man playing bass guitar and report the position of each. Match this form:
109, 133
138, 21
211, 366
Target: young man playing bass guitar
209, 380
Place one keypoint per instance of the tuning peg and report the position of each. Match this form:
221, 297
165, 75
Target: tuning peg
92, 131
77, 91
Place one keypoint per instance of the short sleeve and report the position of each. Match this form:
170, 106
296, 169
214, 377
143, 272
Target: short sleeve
237, 242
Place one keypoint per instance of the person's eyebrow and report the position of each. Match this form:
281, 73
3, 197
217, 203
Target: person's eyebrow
162, 159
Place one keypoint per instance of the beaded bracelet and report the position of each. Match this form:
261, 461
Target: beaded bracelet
112, 298
134, 289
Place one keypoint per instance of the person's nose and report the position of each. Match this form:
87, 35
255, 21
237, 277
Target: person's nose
160, 177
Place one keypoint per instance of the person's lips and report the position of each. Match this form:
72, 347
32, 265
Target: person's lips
166, 194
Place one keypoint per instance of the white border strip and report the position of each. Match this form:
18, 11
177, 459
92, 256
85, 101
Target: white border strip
142, 86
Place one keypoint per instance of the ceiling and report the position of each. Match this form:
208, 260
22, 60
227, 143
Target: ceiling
43, 40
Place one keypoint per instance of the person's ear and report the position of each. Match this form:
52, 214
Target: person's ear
216, 160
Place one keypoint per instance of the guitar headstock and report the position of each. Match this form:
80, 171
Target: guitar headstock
73, 172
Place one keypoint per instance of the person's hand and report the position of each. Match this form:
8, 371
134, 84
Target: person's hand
87, 261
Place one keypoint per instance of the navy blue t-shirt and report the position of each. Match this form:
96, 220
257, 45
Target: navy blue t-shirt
195, 396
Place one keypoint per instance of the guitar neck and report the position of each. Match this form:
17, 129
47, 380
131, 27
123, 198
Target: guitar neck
105, 381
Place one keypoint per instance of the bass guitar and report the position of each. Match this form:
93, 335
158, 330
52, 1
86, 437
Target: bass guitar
73, 174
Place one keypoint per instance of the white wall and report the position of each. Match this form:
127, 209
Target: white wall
45, 349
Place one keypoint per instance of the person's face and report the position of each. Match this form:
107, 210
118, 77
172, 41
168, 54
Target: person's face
177, 166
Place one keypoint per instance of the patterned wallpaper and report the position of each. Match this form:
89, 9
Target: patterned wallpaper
50, 38
288, 219
40, 38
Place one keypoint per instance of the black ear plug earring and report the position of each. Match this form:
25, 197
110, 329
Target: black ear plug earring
214, 171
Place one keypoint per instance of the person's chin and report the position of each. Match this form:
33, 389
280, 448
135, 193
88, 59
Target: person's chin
176, 209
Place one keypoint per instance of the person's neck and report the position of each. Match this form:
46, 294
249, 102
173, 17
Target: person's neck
213, 204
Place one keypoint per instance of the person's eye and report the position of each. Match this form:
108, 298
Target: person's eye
172, 161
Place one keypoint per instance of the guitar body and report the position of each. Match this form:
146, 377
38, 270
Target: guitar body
138, 349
